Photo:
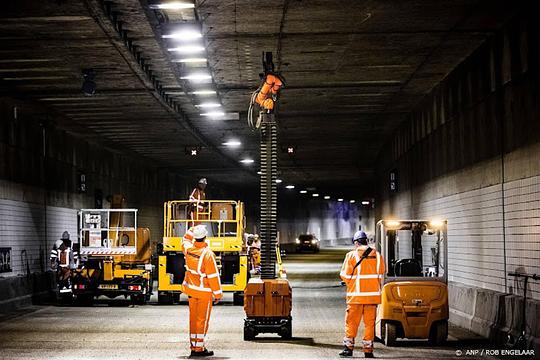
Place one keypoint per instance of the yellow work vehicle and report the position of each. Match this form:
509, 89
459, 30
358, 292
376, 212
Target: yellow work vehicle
415, 295
225, 222
115, 256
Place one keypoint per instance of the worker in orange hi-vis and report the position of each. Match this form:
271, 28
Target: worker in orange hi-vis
362, 272
197, 198
202, 285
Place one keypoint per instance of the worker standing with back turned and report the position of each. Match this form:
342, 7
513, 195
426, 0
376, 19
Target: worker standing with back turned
362, 272
197, 198
201, 285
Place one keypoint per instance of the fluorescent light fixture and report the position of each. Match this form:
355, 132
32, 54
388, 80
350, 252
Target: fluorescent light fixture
203, 92
208, 105
175, 5
214, 114
303, 191
247, 161
290, 186
365, 202
315, 195
259, 173
352, 201
339, 200
184, 35
279, 181
327, 197
232, 143
187, 49
190, 60
197, 77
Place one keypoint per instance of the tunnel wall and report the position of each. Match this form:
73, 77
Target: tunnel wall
470, 153
40, 195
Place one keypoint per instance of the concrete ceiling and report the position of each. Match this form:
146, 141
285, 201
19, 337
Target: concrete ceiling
353, 69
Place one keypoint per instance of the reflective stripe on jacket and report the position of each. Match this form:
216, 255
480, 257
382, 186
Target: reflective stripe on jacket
197, 196
202, 275
365, 282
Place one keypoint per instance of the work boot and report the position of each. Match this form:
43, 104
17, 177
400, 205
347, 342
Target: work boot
203, 353
369, 355
346, 352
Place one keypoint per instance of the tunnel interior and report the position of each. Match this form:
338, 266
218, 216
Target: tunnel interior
389, 110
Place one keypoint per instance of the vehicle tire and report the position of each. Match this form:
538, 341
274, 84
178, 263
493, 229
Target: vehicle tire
165, 298
84, 300
390, 334
137, 299
238, 298
438, 333
286, 331
175, 298
249, 333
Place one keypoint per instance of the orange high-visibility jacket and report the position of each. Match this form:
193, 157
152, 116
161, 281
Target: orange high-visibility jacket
197, 197
365, 283
202, 276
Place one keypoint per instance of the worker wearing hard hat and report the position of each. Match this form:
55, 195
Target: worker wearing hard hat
362, 272
197, 198
202, 286
63, 259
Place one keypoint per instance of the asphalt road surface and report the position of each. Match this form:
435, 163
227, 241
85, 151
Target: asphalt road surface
117, 330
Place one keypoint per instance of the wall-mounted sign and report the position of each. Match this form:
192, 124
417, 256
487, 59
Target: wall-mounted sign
82, 182
394, 184
5, 260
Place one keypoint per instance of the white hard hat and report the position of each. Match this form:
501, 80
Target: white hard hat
200, 232
203, 181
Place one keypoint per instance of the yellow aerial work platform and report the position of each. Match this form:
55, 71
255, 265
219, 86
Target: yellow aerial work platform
225, 222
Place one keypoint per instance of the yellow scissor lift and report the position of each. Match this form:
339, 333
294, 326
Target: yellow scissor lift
225, 222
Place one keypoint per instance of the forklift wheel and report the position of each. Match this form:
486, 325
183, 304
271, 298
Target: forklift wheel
249, 333
438, 333
390, 334
286, 331
238, 298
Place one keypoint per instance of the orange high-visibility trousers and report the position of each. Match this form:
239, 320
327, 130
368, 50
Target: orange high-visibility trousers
199, 317
355, 313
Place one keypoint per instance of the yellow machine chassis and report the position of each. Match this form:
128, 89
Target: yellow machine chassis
219, 244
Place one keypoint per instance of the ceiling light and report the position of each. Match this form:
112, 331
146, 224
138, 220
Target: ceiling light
232, 143
315, 195
203, 92
365, 202
208, 105
176, 5
259, 173
352, 201
187, 49
290, 186
327, 197
339, 200
303, 191
197, 77
214, 114
185, 35
190, 60
247, 161
279, 181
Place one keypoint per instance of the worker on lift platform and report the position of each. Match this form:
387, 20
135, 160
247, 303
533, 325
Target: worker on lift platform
197, 198
362, 272
202, 285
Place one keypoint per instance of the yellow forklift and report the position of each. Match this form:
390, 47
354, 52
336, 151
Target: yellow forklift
225, 222
415, 294
115, 256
